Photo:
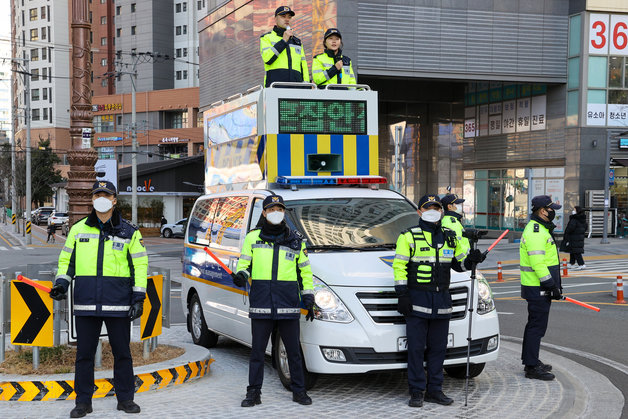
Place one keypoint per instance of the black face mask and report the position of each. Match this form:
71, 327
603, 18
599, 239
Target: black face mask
551, 214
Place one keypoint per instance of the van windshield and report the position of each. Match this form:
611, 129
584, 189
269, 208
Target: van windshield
353, 223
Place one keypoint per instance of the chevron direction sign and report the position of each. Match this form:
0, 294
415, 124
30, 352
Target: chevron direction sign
31, 315
151, 317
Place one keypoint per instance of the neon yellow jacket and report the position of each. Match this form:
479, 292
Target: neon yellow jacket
280, 272
451, 220
108, 263
283, 61
325, 72
538, 260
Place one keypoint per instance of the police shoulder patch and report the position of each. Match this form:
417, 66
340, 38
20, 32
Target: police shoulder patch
453, 219
142, 242
536, 228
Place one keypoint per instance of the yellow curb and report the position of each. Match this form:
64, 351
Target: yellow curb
27, 391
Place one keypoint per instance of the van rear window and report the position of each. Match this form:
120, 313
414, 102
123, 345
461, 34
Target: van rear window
218, 221
352, 222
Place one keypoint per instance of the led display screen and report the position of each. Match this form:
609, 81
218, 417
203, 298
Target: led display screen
307, 116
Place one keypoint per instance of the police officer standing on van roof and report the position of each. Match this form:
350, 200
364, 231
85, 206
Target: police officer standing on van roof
105, 256
540, 282
453, 215
424, 257
331, 67
282, 52
275, 259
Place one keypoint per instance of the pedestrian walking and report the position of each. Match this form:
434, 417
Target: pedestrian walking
163, 221
539, 268
573, 240
282, 52
275, 260
331, 66
105, 256
424, 257
52, 228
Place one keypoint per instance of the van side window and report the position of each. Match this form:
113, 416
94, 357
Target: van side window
201, 221
256, 212
227, 227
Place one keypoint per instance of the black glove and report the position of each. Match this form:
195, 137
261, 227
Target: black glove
308, 301
404, 305
58, 293
556, 294
239, 279
136, 310
476, 256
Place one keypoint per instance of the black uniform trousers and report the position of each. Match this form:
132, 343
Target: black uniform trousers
427, 341
538, 316
261, 329
87, 333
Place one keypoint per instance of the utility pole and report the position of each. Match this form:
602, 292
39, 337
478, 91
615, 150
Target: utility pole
27, 118
133, 145
13, 176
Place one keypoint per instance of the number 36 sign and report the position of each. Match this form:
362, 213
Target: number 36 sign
608, 34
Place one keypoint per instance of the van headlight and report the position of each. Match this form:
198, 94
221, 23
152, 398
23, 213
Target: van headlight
328, 306
486, 304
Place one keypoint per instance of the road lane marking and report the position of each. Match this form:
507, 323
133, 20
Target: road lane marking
504, 312
6, 241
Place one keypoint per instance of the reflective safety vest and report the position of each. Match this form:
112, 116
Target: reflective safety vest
109, 266
283, 61
280, 272
424, 271
325, 72
451, 220
539, 263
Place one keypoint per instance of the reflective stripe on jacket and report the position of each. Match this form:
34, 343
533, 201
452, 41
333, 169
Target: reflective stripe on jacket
538, 261
325, 72
109, 266
275, 269
283, 61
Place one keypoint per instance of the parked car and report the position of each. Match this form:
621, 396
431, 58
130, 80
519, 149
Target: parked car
174, 230
42, 215
65, 227
58, 218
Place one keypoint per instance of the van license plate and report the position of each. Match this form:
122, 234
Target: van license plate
402, 342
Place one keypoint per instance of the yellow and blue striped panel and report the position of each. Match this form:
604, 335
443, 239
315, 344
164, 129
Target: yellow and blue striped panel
286, 154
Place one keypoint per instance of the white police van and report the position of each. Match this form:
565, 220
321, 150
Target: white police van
328, 179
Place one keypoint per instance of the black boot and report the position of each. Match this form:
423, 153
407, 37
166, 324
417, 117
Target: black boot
438, 397
538, 373
252, 398
416, 399
81, 410
545, 367
129, 406
301, 398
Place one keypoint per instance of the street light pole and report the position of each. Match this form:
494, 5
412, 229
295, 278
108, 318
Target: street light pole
133, 147
27, 117
607, 170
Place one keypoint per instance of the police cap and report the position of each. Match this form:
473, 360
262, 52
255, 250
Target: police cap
451, 198
284, 10
272, 200
543, 201
428, 200
332, 31
104, 186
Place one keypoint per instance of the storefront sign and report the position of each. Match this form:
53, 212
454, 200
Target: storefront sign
174, 140
523, 115
109, 138
623, 143
538, 113
107, 107
146, 187
509, 117
608, 34
494, 124
483, 118
596, 114
617, 115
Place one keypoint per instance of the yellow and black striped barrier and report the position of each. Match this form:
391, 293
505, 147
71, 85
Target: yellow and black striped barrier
13, 219
27, 391
28, 227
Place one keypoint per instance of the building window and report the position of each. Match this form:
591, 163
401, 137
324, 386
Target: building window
177, 31
185, 74
103, 123
90, 17
103, 1
177, 8
44, 73
103, 41
199, 5
43, 33
44, 93
34, 74
50, 97
103, 82
48, 33
185, 6
103, 20
118, 32
44, 53
178, 75
45, 114
133, 7
33, 14
178, 53
35, 113
50, 115
35, 34
48, 8
35, 54
185, 29
35, 94
185, 52
103, 62
133, 29
118, 10
43, 12
174, 120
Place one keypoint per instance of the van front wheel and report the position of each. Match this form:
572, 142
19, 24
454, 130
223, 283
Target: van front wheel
460, 371
281, 363
201, 335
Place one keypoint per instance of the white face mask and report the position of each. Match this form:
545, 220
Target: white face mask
102, 204
573, 212
431, 216
275, 217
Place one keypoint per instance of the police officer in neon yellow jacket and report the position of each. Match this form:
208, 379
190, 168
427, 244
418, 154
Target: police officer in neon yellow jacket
453, 215
331, 66
105, 256
540, 282
275, 260
282, 52
424, 257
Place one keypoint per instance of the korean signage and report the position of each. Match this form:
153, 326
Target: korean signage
613, 115
608, 34
521, 115
109, 138
174, 140
107, 107
87, 138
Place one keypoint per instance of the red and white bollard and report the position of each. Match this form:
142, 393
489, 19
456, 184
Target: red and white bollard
565, 272
620, 291
500, 277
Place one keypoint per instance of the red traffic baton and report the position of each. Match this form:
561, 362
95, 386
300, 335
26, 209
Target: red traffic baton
580, 303
33, 283
496, 241
218, 261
